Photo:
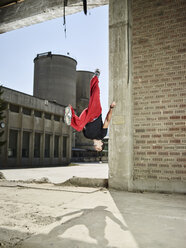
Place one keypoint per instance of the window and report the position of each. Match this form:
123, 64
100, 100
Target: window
47, 116
64, 146
25, 145
56, 146
26, 111
37, 113
12, 149
14, 108
37, 142
56, 118
47, 145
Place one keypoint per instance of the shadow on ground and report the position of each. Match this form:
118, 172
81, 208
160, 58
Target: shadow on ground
85, 228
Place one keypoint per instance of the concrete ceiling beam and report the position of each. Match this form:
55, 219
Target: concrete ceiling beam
30, 12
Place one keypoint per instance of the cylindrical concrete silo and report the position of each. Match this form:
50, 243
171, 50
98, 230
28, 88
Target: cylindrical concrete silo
55, 78
82, 100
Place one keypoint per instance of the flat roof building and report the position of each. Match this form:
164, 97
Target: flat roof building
35, 133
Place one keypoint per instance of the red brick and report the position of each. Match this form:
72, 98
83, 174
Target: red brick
181, 159
179, 123
163, 118
157, 159
174, 117
145, 136
152, 165
163, 153
140, 165
140, 141
151, 153
152, 176
164, 165
174, 129
157, 147
180, 171
167, 135
175, 141
156, 135
141, 153
168, 112
176, 178
151, 141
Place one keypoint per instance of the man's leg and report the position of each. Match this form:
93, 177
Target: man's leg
78, 122
88, 114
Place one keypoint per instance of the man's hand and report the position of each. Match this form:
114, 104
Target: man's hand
113, 104
109, 115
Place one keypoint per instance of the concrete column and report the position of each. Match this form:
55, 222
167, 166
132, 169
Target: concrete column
69, 145
61, 141
52, 141
32, 138
6, 135
42, 150
20, 137
120, 142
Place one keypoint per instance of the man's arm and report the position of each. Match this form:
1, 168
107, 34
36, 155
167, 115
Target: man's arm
109, 115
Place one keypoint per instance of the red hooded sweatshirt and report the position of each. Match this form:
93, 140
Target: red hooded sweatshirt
94, 107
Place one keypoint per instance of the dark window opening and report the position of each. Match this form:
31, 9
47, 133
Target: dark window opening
56, 146
64, 146
12, 149
37, 143
26, 111
25, 146
37, 113
47, 145
47, 116
14, 108
56, 118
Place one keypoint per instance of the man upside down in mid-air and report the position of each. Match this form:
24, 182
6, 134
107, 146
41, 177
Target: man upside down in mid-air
90, 120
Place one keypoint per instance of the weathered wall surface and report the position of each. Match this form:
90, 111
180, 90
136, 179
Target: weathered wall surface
159, 94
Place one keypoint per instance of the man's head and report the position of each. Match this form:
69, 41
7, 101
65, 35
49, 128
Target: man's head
98, 145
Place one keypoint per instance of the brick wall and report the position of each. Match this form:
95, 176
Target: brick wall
159, 89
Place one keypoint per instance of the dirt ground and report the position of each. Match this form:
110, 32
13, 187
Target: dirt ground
43, 215
27, 209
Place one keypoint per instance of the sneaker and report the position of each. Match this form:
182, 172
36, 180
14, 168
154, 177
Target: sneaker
68, 110
97, 72
68, 115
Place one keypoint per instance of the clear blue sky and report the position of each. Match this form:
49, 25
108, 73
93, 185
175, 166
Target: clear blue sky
86, 41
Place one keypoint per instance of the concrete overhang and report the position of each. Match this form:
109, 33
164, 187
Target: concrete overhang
21, 13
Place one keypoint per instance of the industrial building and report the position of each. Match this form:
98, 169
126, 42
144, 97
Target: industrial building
34, 132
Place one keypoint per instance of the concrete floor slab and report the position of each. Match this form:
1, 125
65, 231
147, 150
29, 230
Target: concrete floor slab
72, 217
